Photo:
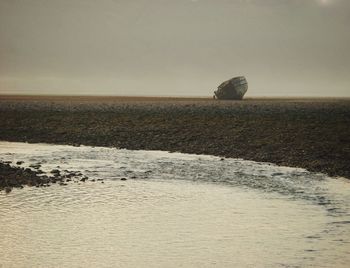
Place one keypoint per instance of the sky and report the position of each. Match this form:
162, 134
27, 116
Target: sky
174, 47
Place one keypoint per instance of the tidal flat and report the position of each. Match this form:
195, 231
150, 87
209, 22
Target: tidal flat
307, 133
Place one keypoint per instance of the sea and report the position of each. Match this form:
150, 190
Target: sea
162, 209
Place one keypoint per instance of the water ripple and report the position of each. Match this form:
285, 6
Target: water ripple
308, 208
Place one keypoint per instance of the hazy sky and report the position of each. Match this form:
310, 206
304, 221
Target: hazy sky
174, 47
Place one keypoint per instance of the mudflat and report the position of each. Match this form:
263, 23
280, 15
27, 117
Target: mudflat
299, 132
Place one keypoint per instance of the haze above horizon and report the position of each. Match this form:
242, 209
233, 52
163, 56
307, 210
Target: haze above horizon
174, 48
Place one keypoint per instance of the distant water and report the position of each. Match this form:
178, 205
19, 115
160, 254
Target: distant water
174, 210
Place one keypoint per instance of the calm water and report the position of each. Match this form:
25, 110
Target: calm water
175, 210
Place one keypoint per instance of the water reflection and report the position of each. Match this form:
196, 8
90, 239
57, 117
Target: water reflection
174, 210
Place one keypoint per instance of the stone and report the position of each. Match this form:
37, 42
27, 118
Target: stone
8, 189
55, 171
35, 166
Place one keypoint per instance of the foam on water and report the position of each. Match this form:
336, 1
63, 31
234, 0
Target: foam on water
258, 207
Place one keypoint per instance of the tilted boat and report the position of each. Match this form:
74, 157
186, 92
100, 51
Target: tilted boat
233, 89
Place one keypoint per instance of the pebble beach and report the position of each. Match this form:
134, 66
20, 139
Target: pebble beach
309, 133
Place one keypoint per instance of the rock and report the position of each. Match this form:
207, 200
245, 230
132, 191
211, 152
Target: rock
8, 189
123, 179
19, 162
55, 171
233, 89
39, 171
35, 166
11, 177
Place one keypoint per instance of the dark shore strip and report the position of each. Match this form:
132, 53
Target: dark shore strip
308, 133
15, 176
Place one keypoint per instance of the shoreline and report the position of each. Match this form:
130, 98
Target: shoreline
311, 133
133, 98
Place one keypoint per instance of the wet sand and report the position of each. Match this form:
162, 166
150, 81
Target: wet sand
308, 133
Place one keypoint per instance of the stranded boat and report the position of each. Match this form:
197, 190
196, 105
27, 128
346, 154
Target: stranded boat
233, 89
